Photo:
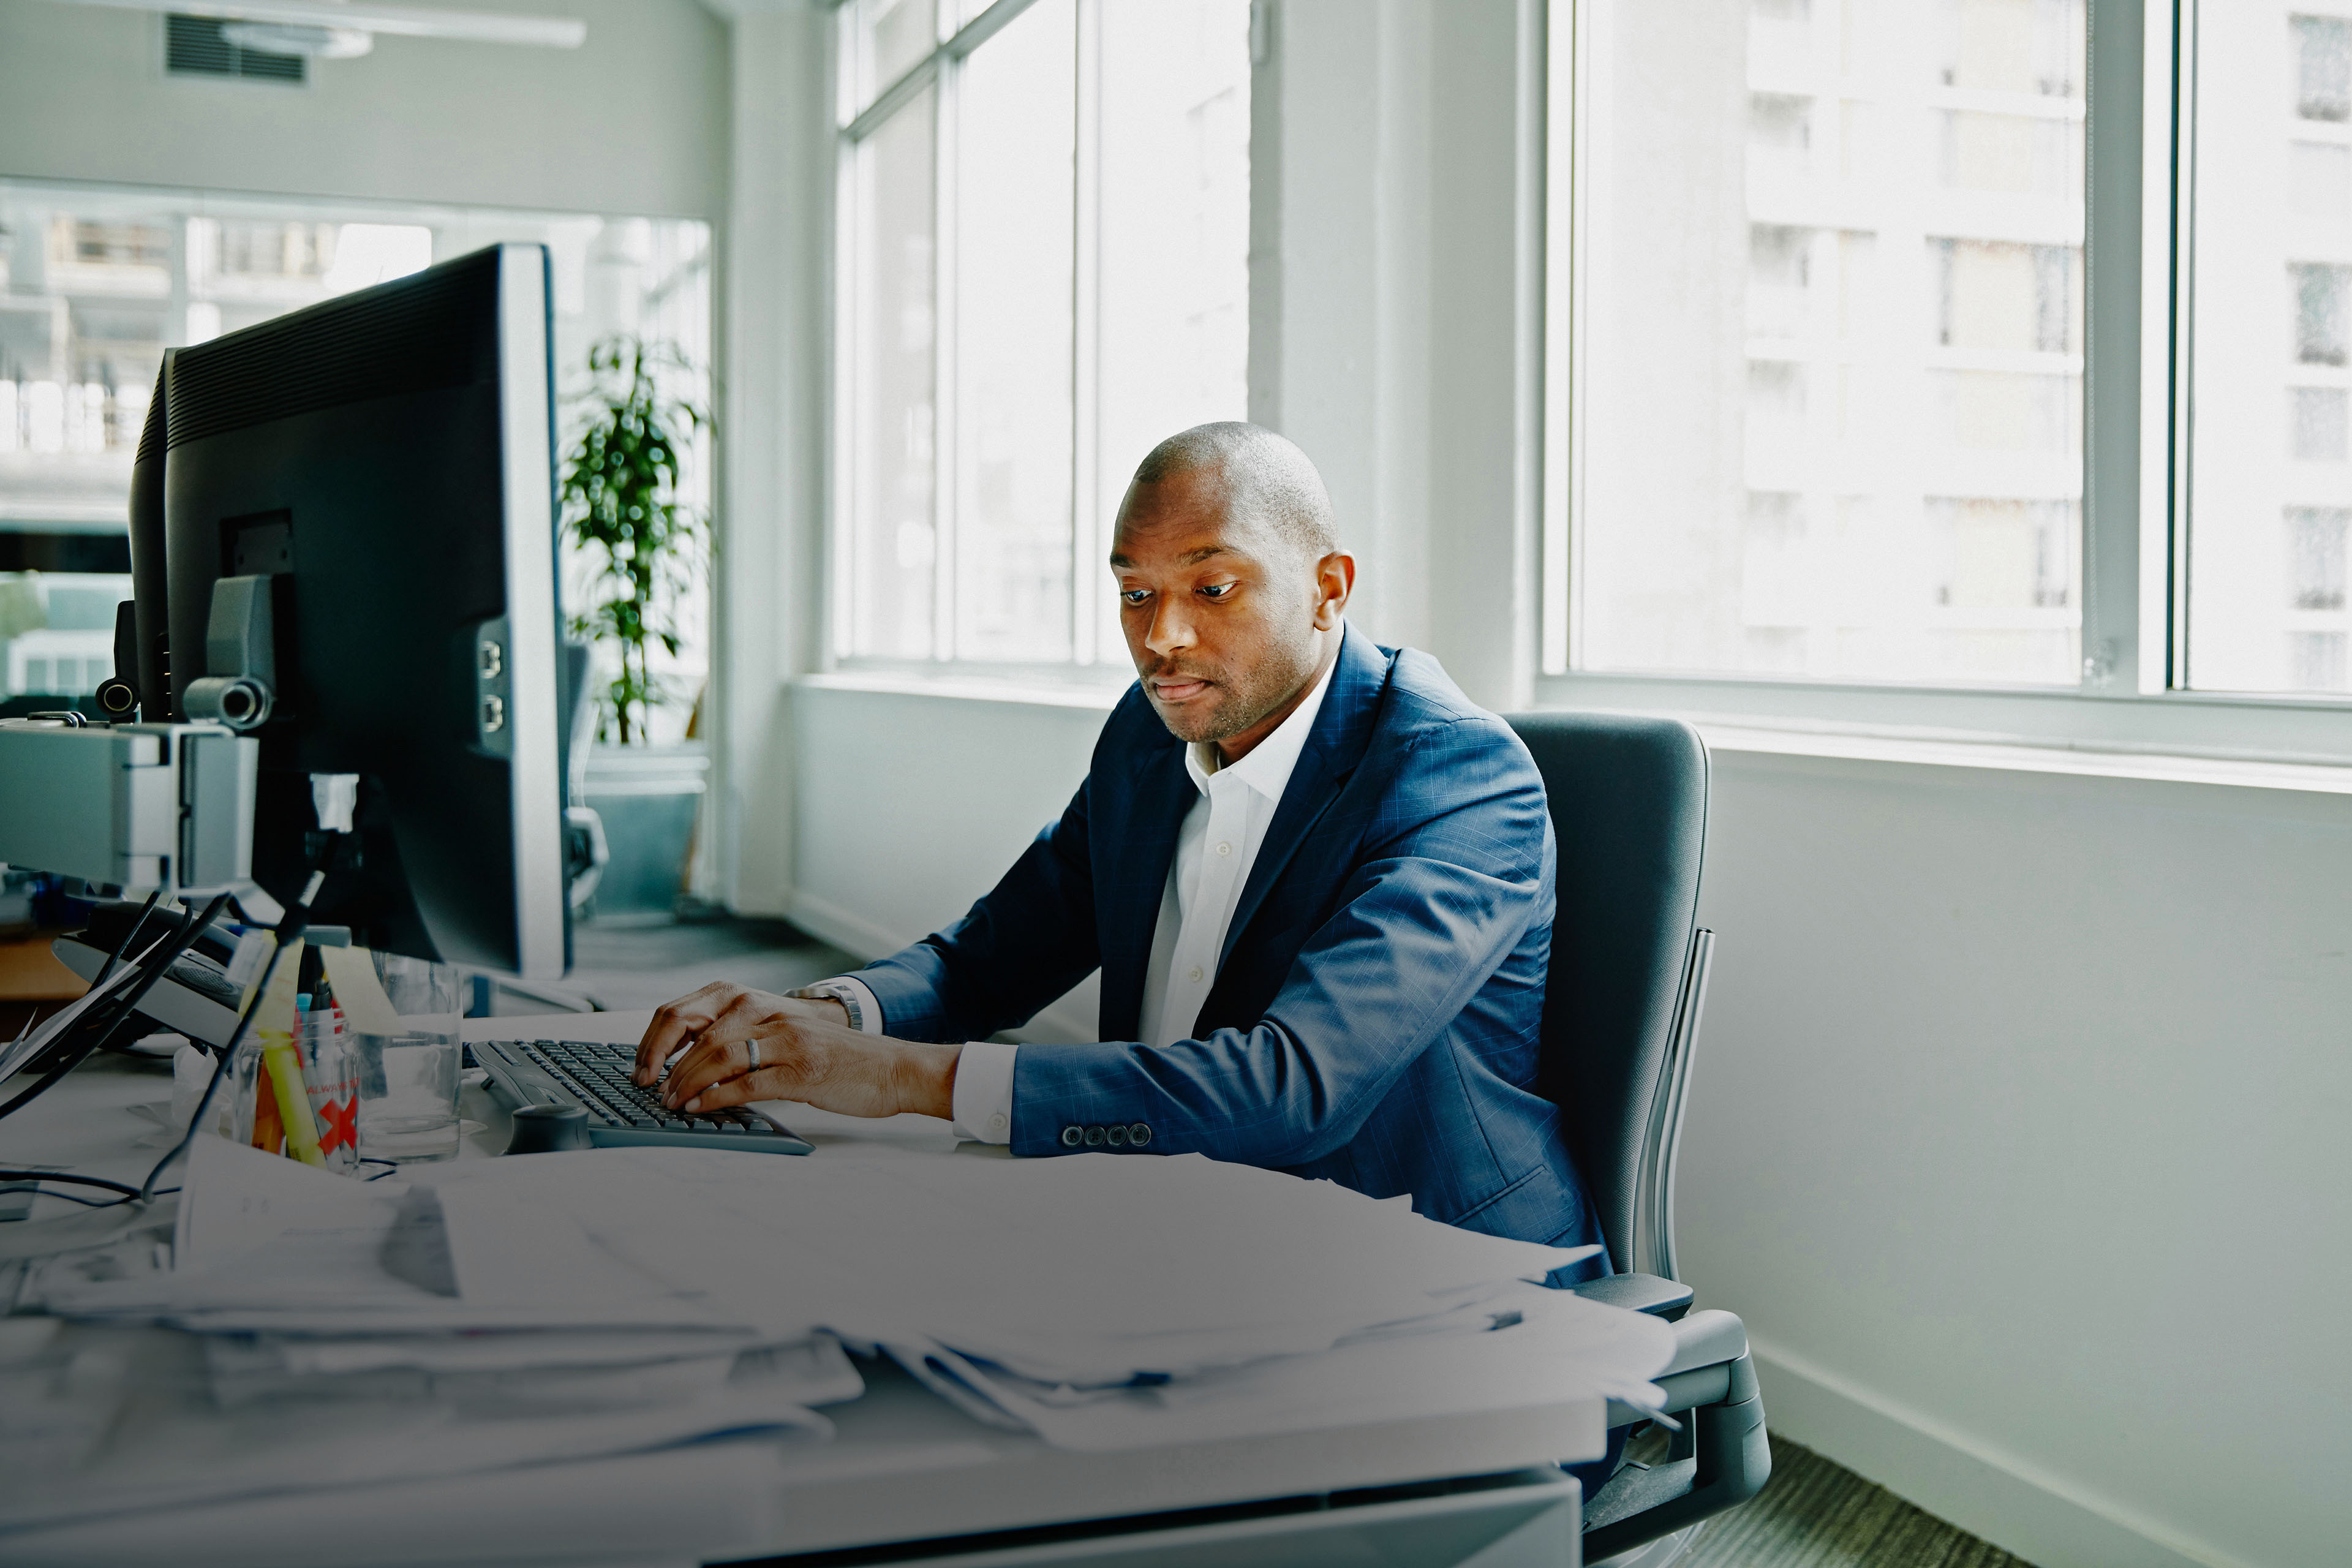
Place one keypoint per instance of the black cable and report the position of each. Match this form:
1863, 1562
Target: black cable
75, 1197
62, 1177
166, 952
298, 917
124, 946
108, 968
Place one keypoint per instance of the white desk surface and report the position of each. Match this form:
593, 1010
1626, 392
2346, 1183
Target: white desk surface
903, 1465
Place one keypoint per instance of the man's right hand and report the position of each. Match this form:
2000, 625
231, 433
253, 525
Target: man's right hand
744, 1013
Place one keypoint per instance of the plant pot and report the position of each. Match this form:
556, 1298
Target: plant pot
649, 797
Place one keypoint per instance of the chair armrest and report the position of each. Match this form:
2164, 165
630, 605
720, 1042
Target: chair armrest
1639, 1293
1720, 1457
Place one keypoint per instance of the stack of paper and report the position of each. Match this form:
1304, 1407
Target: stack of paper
647, 1295
330, 1347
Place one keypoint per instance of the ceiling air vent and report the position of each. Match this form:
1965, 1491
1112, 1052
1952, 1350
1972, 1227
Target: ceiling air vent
192, 46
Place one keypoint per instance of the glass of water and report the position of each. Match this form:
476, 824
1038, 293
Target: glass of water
408, 1081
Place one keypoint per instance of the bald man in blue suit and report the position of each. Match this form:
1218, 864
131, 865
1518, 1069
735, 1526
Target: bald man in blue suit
1316, 879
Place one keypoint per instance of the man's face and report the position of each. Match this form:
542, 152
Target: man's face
1220, 614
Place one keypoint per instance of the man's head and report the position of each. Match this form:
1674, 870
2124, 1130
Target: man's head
1231, 581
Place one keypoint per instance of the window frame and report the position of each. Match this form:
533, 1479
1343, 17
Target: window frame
2138, 261
941, 70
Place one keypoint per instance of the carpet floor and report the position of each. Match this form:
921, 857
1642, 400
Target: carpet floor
1814, 1513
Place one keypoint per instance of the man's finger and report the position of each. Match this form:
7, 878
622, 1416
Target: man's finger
767, 1083
707, 1064
675, 1022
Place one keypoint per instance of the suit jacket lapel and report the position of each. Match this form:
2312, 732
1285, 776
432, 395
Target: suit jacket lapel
1341, 731
1137, 853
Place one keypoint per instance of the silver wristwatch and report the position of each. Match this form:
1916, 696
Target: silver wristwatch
835, 991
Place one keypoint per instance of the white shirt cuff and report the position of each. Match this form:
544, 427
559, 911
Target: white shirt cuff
983, 1091
869, 1011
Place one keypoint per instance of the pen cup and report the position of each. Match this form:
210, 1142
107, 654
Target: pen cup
408, 1081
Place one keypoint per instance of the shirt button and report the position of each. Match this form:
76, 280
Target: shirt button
1073, 1135
1194, 974
1225, 848
996, 1122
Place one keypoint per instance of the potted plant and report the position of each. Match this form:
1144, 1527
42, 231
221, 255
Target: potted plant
623, 510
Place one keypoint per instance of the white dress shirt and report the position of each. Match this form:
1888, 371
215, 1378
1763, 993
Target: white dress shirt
1216, 848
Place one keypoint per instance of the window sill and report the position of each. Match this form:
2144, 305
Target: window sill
2013, 756
2207, 738
1751, 734
1097, 696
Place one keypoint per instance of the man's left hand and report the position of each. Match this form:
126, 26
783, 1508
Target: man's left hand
800, 1054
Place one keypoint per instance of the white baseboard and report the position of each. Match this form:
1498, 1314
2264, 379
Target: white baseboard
853, 933
1969, 1483
863, 939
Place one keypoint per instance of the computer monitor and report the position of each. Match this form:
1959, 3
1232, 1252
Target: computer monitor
378, 471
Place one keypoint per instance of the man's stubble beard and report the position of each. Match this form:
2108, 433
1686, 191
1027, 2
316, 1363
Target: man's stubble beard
1245, 704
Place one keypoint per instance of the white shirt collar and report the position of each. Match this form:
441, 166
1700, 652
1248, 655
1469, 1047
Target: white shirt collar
1267, 767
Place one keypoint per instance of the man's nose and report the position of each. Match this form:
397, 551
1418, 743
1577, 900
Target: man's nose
1171, 629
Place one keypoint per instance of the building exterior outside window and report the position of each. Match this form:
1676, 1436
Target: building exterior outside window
97, 283
1828, 382
1043, 230
2271, 352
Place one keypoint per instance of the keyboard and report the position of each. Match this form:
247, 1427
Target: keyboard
594, 1076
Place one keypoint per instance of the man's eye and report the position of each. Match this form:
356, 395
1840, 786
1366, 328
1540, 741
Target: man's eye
1135, 596
1218, 589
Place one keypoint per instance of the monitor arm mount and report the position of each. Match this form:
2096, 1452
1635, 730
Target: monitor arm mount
240, 679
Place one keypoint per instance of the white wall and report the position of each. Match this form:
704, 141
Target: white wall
633, 121
2017, 1138
2017, 1129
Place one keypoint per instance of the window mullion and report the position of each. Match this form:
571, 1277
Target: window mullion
1087, 547
2113, 241
2164, 534
841, 483
946, 467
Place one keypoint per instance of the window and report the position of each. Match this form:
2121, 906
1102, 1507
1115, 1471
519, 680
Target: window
1043, 213
2271, 339
1888, 352
1828, 388
97, 281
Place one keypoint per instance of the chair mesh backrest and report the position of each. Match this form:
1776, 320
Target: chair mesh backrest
1628, 801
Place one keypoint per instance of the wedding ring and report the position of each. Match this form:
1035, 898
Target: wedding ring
755, 1055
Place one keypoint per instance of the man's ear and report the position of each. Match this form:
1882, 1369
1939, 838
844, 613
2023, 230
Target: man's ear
1334, 579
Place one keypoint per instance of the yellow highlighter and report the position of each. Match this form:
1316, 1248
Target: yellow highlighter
275, 1023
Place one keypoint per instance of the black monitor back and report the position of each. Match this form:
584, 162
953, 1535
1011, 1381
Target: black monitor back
386, 459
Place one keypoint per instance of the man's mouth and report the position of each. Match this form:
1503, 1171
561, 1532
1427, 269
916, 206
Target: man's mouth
1177, 689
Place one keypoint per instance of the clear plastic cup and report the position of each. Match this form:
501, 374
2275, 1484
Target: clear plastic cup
408, 1081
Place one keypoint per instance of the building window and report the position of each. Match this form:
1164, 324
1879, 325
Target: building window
2316, 557
2271, 356
2321, 50
1828, 422
1045, 222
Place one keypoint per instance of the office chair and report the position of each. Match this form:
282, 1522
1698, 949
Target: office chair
1622, 1005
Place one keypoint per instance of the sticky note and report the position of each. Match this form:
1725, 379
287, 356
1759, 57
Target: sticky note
358, 992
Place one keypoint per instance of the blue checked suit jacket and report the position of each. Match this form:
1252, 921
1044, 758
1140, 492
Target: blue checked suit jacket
1374, 1016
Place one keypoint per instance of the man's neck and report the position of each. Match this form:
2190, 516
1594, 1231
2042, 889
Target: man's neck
1233, 748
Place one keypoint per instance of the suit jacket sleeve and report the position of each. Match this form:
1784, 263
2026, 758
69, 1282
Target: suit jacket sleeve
1455, 867
1027, 943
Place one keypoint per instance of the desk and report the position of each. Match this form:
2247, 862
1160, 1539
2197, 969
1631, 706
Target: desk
904, 1467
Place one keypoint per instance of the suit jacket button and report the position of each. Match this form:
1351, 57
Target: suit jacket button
1115, 1136
1073, 1135
1139, 1134
1094, 1137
